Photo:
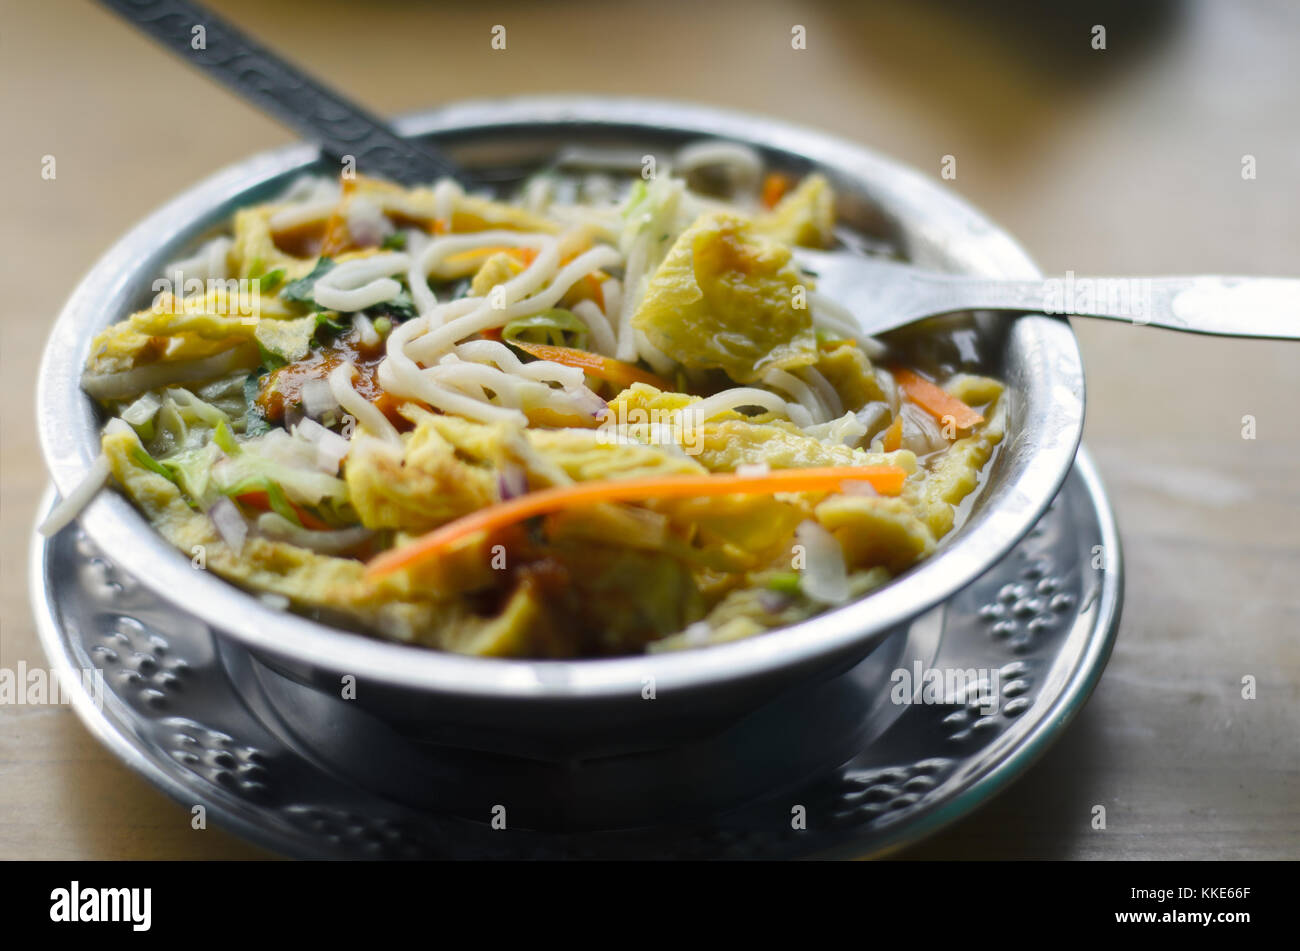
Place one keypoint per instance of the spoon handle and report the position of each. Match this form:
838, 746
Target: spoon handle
341, 127
1266, 307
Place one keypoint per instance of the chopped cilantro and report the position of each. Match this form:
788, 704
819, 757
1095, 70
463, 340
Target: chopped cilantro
255, 424
399, 308
302, 291
269, 282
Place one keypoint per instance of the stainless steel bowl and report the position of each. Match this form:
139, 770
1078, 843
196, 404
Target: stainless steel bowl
544, 707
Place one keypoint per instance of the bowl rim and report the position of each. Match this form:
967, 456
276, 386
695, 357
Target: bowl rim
68, 429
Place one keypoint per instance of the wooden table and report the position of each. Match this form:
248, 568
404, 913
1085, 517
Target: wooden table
1123, 160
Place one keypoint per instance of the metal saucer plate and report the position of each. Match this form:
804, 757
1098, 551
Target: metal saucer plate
313, 776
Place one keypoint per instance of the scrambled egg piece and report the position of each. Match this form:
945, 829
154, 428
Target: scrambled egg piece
725, 298
806, 216
849, 372
448, 467
308, 579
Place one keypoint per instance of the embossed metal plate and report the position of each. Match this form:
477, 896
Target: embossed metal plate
835, 768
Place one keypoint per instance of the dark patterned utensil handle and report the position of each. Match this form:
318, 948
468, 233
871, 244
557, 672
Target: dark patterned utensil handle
345, 131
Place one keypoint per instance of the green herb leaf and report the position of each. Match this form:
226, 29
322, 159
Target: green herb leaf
269, 282
399, 308
302, 291
328, 323
254, 422
394, 242
270, 359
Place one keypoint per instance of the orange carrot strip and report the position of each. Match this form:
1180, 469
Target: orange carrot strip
938, 403
894, 435
775, 185
604, 368
887, 480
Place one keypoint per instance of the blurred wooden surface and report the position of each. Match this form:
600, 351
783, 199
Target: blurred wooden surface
1126, 160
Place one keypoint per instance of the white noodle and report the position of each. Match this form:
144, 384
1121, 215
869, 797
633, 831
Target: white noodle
632, 273
825, 392
361, 283
491, 351
485, 317
306, 213
799, 390
364, 411
663, 364
736, 397
602, 335
832, 316
743, 164
445, 194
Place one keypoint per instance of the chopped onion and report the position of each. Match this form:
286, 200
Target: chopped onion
309, 430
753, 469
825, 577
229, 522
921, 433
365, 329
331, 450
512, 481
318, 398
773, 601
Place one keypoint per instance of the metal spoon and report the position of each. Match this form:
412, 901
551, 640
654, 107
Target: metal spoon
884, 295
343, 129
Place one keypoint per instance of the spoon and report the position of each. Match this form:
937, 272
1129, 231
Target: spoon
343, 129
881, 295
885, 295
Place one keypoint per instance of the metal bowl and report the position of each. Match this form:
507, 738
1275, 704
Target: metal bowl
590, 706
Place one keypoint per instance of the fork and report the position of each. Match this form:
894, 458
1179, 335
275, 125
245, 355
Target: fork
885, 295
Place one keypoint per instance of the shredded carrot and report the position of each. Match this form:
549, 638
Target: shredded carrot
894, 434
940, 404
887, 480
604, 368
595, 288
336, 232
525, 256
261, 500
775, 186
